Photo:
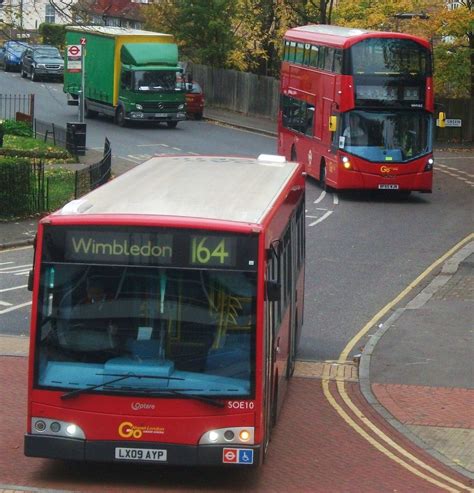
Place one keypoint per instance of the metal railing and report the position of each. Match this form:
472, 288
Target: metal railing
50, 132
11, 104
94, 175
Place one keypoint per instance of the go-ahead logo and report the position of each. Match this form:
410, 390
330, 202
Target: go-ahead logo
388, 169
127, 429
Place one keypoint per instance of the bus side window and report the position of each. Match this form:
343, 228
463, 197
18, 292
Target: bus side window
309, 120
299, 53
313, 59
322, 56
329, 59
337, 67
292, 51
286, 51
307, 54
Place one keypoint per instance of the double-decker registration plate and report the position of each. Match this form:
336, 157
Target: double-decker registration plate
388, 186
149, 454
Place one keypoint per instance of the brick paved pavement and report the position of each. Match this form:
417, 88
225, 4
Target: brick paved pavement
312, 450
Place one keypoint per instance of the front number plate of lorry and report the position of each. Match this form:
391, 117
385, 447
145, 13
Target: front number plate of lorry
161, 115
388, 186
125, 453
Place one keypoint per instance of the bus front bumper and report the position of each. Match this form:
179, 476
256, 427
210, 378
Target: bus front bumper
142, 452
419, 182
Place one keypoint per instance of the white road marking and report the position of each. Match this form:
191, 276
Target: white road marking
177, 149
335, 199
321, 197
4, 303
320, 208
22, 273
151, 145
5, 263
322, 218
8, 270
12, 289
16, 307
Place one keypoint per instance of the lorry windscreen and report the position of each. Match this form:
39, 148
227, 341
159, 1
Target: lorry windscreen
156, 81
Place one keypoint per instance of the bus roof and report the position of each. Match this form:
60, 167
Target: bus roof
236, 189
342, 37
113, 31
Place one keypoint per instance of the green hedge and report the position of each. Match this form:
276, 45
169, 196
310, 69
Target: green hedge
22, 129
35, 153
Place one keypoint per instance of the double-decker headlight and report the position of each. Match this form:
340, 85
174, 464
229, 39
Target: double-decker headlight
346, 162
429, 164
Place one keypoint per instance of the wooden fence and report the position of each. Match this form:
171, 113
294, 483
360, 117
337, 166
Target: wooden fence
256, 95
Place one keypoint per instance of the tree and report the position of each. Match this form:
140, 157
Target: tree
449, 31
203, 28
53, 34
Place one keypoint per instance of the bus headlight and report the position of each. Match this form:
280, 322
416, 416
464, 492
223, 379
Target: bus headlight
55, 427
242, 434
429, 164
346, 162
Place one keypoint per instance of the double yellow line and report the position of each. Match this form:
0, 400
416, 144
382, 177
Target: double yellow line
382, 442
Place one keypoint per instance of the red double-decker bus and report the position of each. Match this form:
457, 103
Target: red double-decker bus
167, 305
357, 107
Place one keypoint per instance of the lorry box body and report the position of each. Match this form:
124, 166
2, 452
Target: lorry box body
129, 74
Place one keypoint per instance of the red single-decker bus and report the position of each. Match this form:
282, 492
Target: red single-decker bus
167, 306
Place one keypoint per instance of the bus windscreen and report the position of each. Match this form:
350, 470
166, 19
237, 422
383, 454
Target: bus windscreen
385, 56
183, 321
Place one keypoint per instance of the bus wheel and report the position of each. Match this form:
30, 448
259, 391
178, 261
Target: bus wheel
293, 154
120, 117
322, 176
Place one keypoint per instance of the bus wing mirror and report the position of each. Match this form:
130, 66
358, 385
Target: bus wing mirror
273, 289
441, 119
30, 280
332, 123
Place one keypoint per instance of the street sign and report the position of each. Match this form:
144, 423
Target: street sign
74, 58
453, 122
83, 41
74, 51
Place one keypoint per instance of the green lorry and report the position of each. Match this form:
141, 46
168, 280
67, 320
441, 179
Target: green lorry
130, 75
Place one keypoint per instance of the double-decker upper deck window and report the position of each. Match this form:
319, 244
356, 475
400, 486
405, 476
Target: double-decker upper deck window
390, 57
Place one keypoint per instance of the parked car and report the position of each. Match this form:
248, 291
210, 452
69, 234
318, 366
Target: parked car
194, 100
10, 55
42, 61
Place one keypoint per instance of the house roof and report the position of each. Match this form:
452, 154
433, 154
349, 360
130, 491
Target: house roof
124, 9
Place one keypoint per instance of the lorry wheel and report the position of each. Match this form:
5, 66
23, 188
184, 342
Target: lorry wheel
172, 124
120, 117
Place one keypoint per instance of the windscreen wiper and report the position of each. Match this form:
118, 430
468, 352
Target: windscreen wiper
74, 393
180, 393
